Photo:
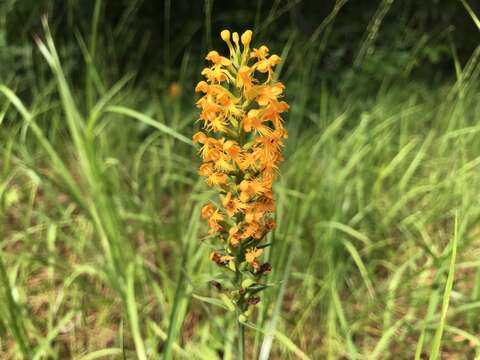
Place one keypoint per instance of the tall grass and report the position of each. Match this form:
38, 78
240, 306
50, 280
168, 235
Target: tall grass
102, 252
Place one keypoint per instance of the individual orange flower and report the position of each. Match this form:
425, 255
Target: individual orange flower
261, 53
235, 235
269, 94
232, 205
207, 211
251, 256
266, 65
214, 222
217, 60
210, 151
232, 149
199, 137
251, 229
255, 121
219, 258
203, 87
217, 178
225, 164
245, 81
206, 169
253, 187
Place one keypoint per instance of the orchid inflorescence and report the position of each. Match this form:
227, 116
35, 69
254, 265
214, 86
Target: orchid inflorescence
241, 150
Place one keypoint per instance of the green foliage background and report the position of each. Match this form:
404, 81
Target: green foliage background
102, 252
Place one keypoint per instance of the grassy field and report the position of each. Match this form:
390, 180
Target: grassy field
102, 251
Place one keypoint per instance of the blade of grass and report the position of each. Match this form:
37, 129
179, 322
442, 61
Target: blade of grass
149, 121
437, 340
471, 13
361, 266
388, 334
181, 300
58, 164
346, 328
90, 73
133, 314
101, 354
266, 346
16, 319
432, 305
44, 344
163, 336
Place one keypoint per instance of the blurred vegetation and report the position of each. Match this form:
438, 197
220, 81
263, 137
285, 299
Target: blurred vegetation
399, 37
377, 246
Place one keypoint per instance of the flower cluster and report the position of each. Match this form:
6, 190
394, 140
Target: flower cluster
241, 150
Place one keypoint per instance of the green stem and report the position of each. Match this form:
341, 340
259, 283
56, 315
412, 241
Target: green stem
241, 341
241, 327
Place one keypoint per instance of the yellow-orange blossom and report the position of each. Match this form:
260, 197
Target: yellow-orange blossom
241, 148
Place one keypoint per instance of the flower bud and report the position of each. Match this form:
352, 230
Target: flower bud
247, 283
235, 37
254, 300
247, 37
264, 268
216, 285
225, 34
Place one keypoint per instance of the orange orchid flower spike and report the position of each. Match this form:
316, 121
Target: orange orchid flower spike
240, 146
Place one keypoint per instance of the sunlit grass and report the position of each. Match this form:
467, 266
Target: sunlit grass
102, 252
